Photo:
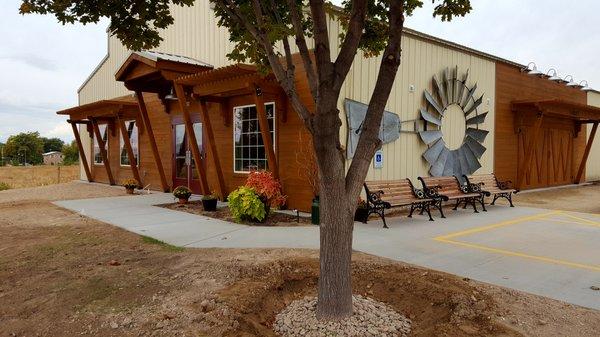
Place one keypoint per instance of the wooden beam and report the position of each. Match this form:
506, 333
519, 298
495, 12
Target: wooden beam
84, 162
189, 129
265, 131
586, 153
148, 126
103, 152
526, 166
212, 148
130, 154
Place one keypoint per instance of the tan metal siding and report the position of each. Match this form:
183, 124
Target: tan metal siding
592, 170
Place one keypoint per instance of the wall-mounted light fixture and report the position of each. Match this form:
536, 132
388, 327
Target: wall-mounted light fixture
532, 69
571, 82
585, 87
553, 75
171, 96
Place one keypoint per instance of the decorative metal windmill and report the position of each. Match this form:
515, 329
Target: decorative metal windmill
464, 159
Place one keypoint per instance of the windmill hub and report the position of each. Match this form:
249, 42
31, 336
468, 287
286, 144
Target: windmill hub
453, 126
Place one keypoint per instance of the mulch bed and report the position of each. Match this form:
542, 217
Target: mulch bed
274, 219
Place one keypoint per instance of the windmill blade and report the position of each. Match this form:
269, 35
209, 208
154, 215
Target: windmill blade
448, 85
472, 161
468, 97
479, 119
474, 106
474, 145
461, 88
433, 103
430, 118
437, 169
477, 134
439, 89
464, 165
449, 166
429, 137
433, 152
454, 84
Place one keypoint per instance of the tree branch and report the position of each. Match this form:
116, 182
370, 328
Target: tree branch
322, 50
369, 138
351, 41
295, 14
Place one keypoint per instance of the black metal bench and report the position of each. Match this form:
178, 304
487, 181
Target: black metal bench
488, 185
382, 195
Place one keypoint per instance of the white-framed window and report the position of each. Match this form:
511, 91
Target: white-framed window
248, 148
97, 154
132, 131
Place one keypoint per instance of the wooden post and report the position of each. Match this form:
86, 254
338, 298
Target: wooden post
586, 153
130, 154
212, 148
265, 131
155, 153
529, 150
84, 161
189, 128
103, 153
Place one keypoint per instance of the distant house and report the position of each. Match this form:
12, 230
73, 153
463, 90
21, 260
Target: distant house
53, 158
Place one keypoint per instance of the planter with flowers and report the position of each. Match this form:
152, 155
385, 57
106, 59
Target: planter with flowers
130, 185
209, 202
183, 193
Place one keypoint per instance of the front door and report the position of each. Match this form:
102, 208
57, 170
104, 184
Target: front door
184, 165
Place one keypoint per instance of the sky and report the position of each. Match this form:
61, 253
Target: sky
43, 63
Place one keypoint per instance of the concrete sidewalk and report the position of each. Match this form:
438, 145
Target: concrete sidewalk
553, 254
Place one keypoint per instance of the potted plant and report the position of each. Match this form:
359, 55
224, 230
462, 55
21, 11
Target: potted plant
182, 193
130, 185
209, 202
362, 211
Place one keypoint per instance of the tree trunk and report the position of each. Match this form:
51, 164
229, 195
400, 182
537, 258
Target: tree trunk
337, 221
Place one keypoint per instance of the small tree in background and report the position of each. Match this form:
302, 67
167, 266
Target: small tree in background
52, 144
70, 153
256, 27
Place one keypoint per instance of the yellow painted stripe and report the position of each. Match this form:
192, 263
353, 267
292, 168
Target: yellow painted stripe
500, 224
517, 254
594, 223
573, 222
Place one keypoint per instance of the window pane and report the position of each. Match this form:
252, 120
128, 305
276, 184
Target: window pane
249, 151
97, 155
132, 131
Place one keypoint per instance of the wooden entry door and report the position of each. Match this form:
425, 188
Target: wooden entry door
552, 158
184, 165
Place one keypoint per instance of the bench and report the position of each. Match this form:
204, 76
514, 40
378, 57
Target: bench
489, 185
449, 188
382, 195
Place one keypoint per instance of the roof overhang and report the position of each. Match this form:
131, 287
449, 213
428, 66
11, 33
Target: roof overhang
578, 112
104, 109
154, 72
234, 80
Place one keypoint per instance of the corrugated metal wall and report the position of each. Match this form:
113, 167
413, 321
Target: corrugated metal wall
195, 34
592, 170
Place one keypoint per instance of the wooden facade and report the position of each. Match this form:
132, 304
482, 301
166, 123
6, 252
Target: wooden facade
560, 143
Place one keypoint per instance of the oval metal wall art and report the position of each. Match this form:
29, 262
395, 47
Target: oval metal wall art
448, 91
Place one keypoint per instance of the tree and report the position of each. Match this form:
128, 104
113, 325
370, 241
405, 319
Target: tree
70, 153
2, 159
52, 144
25, 148
263, 31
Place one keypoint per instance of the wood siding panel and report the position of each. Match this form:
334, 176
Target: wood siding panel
513, 85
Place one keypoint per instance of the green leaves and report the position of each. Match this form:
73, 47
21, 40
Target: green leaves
245, 205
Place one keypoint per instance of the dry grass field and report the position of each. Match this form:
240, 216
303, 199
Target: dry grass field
31, 176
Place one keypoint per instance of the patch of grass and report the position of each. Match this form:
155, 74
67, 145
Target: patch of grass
4, 186
164, 245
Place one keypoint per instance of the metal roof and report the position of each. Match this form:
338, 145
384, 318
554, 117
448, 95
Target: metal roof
155, 56
217, 74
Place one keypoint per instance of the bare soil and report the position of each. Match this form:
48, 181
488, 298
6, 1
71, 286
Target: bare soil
66, 275
223, 213
584, 198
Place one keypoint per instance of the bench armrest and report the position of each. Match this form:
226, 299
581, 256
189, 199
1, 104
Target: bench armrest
419, 193
374, 197
472, 187
432, 191
505, 185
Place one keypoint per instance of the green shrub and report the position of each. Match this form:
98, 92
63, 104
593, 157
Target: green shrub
245, 204
4, 186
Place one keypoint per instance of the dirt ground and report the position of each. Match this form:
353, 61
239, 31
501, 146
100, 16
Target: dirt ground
584, 198
41, 175
66, 275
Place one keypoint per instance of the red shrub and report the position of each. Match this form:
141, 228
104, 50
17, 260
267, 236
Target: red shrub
267, 187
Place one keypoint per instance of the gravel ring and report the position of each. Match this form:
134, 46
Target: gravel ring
370, 318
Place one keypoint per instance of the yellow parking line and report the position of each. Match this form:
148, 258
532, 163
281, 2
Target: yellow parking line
571, 222
590, 222
500, 224
528, 256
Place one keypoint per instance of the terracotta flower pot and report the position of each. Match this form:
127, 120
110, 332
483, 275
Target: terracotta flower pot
183, 201
129, 190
